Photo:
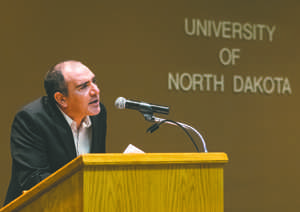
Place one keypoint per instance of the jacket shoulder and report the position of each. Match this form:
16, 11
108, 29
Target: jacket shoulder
39, 110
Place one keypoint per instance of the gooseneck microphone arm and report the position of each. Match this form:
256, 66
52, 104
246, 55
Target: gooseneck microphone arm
148, 109
160, 121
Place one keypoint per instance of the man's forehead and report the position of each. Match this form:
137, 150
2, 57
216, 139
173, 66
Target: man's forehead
72, 67
67, 64
76, 71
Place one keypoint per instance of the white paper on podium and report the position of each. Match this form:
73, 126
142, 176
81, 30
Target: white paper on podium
132, 149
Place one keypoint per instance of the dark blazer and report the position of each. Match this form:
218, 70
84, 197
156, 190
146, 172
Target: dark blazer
42, 142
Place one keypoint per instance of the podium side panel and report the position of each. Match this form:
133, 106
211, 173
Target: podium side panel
64, 196
165, 187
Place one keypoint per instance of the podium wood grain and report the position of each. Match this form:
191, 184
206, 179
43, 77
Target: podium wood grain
131, 182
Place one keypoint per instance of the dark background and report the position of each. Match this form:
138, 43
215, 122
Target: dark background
132, 46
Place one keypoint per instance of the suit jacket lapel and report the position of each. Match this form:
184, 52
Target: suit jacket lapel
65, 136
64, 132
95, 135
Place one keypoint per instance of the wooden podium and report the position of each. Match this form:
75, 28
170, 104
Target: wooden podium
130, 182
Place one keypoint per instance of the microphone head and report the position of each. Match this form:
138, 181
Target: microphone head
120, 103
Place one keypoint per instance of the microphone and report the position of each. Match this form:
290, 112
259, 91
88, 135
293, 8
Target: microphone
143, 107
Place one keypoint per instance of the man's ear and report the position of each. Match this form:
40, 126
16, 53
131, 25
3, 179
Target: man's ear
60, 99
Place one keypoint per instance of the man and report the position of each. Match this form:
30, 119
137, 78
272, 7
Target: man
51, 131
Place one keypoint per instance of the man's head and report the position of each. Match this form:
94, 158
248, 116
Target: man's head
72, 86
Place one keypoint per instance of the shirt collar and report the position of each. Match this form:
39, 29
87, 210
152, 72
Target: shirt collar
86, 123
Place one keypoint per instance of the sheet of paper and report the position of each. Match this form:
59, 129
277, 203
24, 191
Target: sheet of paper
132, 149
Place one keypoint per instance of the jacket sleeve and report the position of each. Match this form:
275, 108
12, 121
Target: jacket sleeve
29, 151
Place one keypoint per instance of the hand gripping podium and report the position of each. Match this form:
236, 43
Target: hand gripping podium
130, 182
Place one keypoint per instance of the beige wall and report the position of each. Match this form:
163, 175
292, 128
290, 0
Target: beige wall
132, 46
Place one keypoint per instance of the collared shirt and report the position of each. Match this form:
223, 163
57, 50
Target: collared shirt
82, 136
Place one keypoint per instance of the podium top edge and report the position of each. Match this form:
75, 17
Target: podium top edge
152, 158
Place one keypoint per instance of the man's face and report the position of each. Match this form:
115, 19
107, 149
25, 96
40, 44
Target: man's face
83, 93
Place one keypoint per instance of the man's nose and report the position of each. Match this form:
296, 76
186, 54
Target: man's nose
95, 89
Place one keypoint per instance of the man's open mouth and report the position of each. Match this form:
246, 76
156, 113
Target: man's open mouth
93, 102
